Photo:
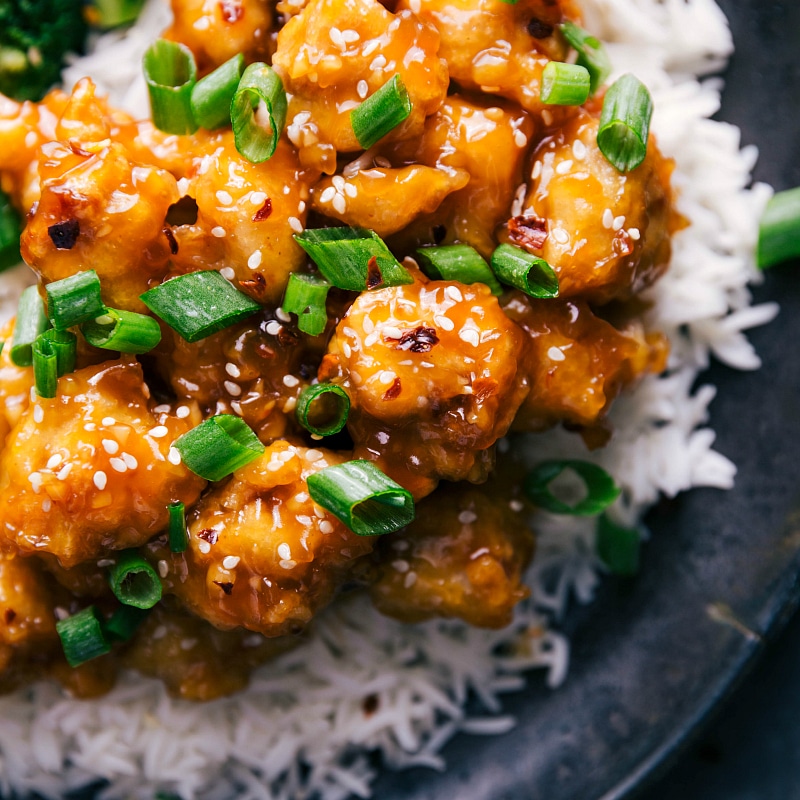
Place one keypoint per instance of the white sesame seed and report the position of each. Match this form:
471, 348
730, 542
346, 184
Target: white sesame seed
537, 170
90, 426
284, 551
231, 562
371, 339
130, 461
564, 167
164, 408
109, 421
325, 526
64, 472
635, 234
290, 381
346, 350
288, 564
350, 190
556, 354
160, 632
336, 37
470, 336
467, 517
232, 370
290, 405
118, 465
608, 218
382, 161
111, 446
370, 47
159, 432
100, 479
163, 568
339, 204
257, 198
387, 376
362, 87
233, 389
327, 195
338, 183
454, 293
520, 139
618, 223
36, 481
254, 260
282, 315
274, 328
351, 36
313, 455
379, 62
60, 612
188, 644
38, 414
218, 231
547, 117
295, 224
445, 323
182, 412
301, 497
579, 149
224, 197
274, 466
47, 504
516, 505
54, 460
560, 235
401, 565
204, 547
411, 577
228, 273
392, 332
174, 456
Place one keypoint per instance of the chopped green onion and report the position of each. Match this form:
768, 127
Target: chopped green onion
74, 300
124, 622
625, 123
457, 262
517, 267
123, 331
178, 535
591, 53
779, 229
381, 113
54, 354
362, 497
306, 296
133, 581
260, 92
199, 304
353, 258
565, 84
212, 95
618, 547
170, 72
82, 637
322, 408
219, 446
10, 230
30, 323
115, 13
600, 488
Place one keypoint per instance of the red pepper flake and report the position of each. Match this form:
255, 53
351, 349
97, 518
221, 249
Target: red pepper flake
528, 232
263, 212
374, 274
420, 340
539, 29
622, 244
208, 535
394, 390
257, 284
173, 242
10, 615
370, 704
231, 10
226, 586
64, 234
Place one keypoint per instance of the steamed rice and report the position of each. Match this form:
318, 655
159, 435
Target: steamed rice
291, 733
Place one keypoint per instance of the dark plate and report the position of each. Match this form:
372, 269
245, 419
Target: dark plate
648, 661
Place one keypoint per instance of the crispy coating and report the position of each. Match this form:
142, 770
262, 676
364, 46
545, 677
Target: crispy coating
15, 386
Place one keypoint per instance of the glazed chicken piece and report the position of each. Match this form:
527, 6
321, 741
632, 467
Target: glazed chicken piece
194, 659
431, 372
606, 234
91, 470
463, 556
335, 54
576, 362
262, 555
15, 386
216, 30
500, 48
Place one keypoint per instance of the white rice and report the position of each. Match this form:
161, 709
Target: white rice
307, 708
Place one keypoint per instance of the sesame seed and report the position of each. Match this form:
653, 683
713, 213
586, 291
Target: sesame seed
224, 197
445, 323
454, 294
64, 472
160, 632
233, 389
36, 481
232, 370
392, 332
111, 446
362, 87
159, 432
520, 139
635, 234
204, 547
372, 338
290, 405
347, 350
47, 504
257, 198
338, 183
38, 414
401, 565
274, 328
109, 421
284, 551
90, 426
516, 505
370, 47
618, 223
469, 336
274, 466
218, 231
118, 465
61, 612
387, 376
130, 461
379, 62
327, 195
254, 260
556, 354
301, 497
164, 408
295, 224
282, 315
350, 36
339, 204
290, 381
579, 149
188, 644
325, 526
336, 37
564, 167
174, 456
560, 235
382, 161
313, 455
54, 460
228, 273
182, 412
536, 171
411, 577
231, 562
467, 517
547, 117
163, 568
350, 190
100, 479
288, 564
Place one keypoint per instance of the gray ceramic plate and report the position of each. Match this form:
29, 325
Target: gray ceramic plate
648, 661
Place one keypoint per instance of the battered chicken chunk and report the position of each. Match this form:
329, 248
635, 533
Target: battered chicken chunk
15, 386
91, 470
262, 555
463, 556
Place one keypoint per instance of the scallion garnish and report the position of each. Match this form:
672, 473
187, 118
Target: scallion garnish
599, 486
124, 622
82, 636
178, 535
258, 112
517, 267
199, 304
170, 72
123, 331
353, 258
10, 230
618, 547
218, 446
591, 53
457, 262
322, 408
362, 497
625, 123
779, 229
212, 95
565, 84
306, 296
133, 581
381, 112
114, 13
30, 323
74, 300
54, 354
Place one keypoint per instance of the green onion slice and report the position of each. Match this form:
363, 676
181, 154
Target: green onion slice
212, 95
306, 296
10, 230
82, 636
779, 229
199, 304
457, 262
625, 123
74, 300
322, 408
134, 581
258, 112
591, 53
219, 446
170, 72
178, 535
353, 258
600, 488
362, 497
114, 13
54, 354
618, 547
30, 323
565, 84
124, 622
519, 268
123, 331
381, 112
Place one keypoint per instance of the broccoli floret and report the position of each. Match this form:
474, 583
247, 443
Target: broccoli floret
35, 35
